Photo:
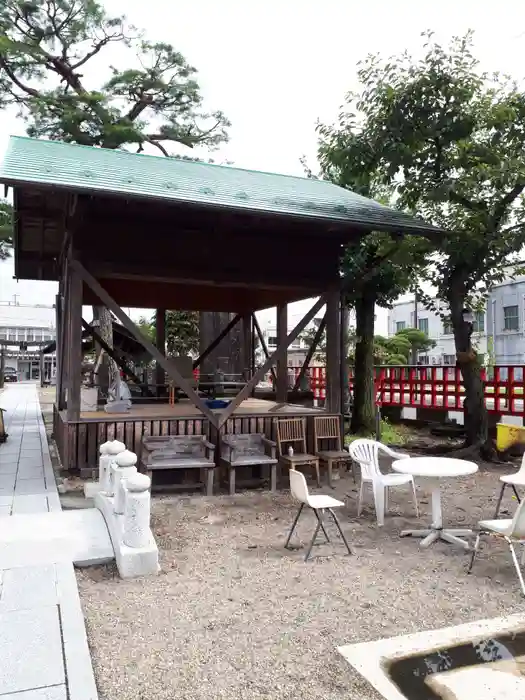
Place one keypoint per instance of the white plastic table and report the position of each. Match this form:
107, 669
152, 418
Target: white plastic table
432, 470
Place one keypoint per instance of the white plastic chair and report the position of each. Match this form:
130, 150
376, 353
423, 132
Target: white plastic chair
366, 454
318, 503
512, 480
512, 530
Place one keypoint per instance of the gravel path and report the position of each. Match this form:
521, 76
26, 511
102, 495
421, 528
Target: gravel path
233, 615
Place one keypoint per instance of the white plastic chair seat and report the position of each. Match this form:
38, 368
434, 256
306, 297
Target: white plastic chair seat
518, 479
319, 501
502, 526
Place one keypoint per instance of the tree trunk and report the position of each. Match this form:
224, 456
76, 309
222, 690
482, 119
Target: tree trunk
475, 410
363, 413
228, 355
108, 372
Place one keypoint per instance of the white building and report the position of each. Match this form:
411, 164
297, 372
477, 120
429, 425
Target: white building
21, 324
403, 315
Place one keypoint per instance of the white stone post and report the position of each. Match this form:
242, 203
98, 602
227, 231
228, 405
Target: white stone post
113, 448
137, 512
123, 468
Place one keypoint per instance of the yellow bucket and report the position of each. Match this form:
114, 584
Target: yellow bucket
509, 435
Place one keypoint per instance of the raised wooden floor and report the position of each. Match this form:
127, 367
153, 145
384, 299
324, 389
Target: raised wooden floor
79, 441
185, 409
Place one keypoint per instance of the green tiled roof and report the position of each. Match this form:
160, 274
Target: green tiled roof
96, 170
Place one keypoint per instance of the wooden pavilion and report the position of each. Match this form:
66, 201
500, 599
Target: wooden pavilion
127, 230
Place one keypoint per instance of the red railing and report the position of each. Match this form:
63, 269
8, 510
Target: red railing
436, 387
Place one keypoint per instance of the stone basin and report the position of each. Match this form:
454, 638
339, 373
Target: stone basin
482, 660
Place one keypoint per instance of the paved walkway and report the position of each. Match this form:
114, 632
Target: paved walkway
44, 653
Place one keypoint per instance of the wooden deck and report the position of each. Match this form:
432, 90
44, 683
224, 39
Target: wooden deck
79, 441
185, 409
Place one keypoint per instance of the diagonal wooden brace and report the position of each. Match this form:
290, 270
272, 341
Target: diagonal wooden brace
168, 366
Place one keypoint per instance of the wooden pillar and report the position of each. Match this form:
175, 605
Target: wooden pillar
74, 344
333, 352
41, 368
282, 363
247, 345
160, 325
58, 323
2, 366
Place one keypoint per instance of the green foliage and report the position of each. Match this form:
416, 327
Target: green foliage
397, 349
390, 434
45, 46
182, 332
449, 142
6, 230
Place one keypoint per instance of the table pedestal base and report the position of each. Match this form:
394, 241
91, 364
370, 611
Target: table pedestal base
434, 534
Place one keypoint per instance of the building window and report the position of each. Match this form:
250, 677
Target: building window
423, 359
422, 324
479, 322
11, 333
272, 340
400, 326
449, 359
447, 327
511, 320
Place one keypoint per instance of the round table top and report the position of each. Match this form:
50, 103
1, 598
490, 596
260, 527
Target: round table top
436, 467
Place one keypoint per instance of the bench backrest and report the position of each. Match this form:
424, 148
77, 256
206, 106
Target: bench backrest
170, 446
245, 444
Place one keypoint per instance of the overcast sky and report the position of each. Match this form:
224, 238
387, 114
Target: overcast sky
276, 67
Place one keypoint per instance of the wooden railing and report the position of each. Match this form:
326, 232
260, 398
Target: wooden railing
436, 387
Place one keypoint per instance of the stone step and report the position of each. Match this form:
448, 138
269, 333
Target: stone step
77, 536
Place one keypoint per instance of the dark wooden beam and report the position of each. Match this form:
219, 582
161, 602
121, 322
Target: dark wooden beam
170, 368
111, 352
263, 343
211, 347
311, 350
333, 351
274, 357
247, 345
74, 350
160, 341
281, 369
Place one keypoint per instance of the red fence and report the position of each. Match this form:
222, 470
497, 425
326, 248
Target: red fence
437, 387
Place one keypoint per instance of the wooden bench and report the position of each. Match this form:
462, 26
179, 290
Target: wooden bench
179, 452
249, 450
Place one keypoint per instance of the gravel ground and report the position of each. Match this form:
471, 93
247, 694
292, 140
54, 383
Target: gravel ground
234, 615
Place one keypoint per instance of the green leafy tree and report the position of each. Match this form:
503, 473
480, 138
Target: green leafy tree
449, 140
399, 348
48, 47
6, 230
182, 331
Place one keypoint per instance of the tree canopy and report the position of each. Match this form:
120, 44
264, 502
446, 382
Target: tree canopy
448, 141
182, 332
48, 47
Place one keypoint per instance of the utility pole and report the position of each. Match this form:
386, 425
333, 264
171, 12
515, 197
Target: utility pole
414, 350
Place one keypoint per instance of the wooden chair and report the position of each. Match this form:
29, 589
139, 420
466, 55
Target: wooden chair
327, 434
292, 432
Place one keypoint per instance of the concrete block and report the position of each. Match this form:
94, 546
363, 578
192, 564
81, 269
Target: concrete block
7, 482
5, 511
54, 692
131, 562
9, 466
37, 539
34, 472
80, 677
30, 504
91, 488
30, 650
373, 659
27, 588
30, 487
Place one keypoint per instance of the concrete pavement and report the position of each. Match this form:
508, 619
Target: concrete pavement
44, 653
